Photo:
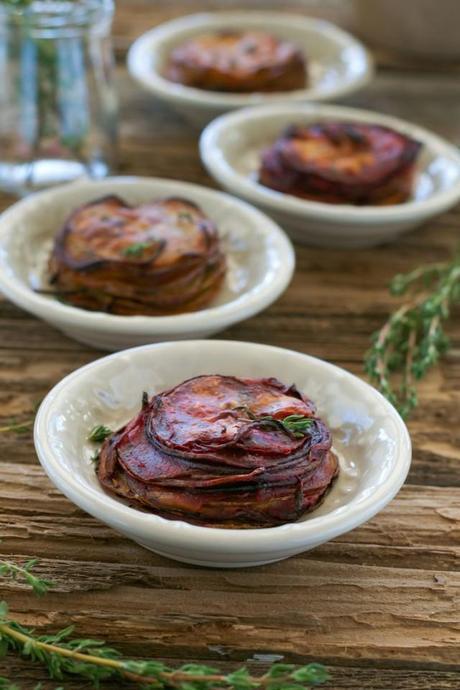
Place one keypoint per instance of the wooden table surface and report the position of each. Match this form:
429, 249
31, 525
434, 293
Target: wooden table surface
379, 605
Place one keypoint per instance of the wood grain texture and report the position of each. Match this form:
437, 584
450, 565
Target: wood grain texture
380, 605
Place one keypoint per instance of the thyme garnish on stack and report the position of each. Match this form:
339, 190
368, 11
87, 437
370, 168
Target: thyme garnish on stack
95, 661
413, 338
296, 425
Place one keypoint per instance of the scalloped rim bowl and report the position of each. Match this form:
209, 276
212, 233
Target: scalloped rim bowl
260, 262
230, 149
338, 62
370, 438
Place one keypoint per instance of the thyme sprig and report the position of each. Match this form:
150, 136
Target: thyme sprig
39, 585
296, 425
413, 338
95, 661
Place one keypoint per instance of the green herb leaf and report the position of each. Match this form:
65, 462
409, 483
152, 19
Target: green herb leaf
136, 249
315, 674
280, 670
241, 680
99, 433
295, 424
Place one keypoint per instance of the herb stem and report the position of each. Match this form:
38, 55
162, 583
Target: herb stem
173, 679
93, 660
74, 654
21, 637
413, 339
19, 427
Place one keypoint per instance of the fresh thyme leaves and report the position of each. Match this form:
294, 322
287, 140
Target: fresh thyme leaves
136, 249
39, 585
413, 338
297, 424
99, 433
294, 424
95, 661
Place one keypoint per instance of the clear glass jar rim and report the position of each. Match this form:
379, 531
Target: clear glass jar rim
56, 13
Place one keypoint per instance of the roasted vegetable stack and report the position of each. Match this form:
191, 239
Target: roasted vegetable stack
239, 62
342, 163
158, 258
218, 451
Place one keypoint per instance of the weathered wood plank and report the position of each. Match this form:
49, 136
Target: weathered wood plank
419, 529
341, 610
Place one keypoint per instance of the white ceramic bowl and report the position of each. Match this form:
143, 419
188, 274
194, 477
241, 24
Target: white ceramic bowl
260, 262
371, 439
338, 63
231, 147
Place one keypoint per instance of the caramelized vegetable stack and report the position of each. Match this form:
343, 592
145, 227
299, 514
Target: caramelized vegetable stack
238, 61
223, 452
342, 163
159, 258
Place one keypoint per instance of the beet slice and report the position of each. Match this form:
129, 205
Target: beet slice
204, 452
341, 162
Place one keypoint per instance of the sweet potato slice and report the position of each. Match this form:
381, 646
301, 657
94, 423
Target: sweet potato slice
239, 62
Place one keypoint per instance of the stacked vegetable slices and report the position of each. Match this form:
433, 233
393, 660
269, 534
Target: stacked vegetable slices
158, 258
217, 451
342, 163
238, 62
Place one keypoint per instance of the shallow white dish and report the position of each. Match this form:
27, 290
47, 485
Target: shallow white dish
230, 149
371, 439
338, 63
259, 255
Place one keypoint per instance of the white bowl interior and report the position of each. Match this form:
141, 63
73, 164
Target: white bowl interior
336, 61
232, 149
369, 436
253, 245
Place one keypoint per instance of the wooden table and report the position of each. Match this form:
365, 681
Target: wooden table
379, 605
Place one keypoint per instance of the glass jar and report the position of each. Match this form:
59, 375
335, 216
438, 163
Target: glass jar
57, 100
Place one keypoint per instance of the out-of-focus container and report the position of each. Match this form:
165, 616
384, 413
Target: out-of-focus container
57, 101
